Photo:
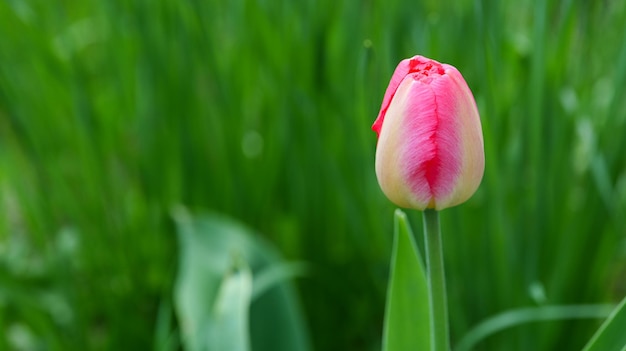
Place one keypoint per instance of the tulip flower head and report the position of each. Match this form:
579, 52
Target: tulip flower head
430, 150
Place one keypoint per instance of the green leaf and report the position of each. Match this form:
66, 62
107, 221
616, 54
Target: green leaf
520, 316
271, 276
611, 336
228, 322
407, 321
228, 279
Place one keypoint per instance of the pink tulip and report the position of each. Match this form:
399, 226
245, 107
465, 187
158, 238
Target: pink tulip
430, 143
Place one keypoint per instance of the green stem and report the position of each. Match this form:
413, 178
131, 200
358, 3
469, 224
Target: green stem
436, 282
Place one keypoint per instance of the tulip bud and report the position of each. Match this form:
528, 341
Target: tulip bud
430, 143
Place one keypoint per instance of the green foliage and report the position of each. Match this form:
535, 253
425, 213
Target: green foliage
407, 313
517, 317
222, 299
610, 336
114, 112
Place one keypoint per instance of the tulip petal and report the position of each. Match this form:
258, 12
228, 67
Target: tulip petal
431, 153
415, 64
471, 136
430, 147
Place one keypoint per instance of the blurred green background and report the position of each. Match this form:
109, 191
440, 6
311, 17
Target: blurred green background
114, 112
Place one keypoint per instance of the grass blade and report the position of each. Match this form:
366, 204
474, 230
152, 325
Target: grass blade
611, 335
513, 318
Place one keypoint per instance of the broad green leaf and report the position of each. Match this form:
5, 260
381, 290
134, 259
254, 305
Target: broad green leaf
407, 322
612, 334
228, 322
213, 250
